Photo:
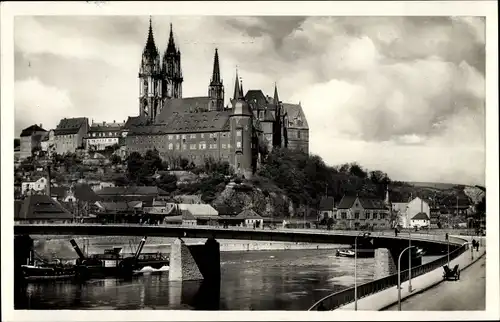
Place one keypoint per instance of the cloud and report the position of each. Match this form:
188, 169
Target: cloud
400, 94
37, 103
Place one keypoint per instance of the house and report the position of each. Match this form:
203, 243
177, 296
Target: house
250, 219
103, 135
48, 143
36, 186
204, 214
326, 208
420, 220
31, 139
159, 207
416, 206
41, 209
354, 212
69, 134
188, 219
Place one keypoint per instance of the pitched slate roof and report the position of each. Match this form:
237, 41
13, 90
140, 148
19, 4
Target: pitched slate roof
31, 129
346, 202
42, 207
182, 106
70, 126
134, 121
106, 127
213, 121
420, 216
248, 214
295, 112
327, 203
256, 97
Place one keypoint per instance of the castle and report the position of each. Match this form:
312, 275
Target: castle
197, 128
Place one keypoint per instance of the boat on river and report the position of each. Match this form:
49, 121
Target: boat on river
41, 270
344, 253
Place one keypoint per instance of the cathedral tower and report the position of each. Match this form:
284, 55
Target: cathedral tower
171, 70
150, 79
216, 88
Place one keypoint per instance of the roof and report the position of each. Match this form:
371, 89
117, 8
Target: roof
327, 203
248, 214
70, 126
256, 97
182, 106
82, 192
37, 207
29, 131
134, 121
119, 206
367, 203
200, 210
296, 116
131, 191
420, 216
106, 127
187, 215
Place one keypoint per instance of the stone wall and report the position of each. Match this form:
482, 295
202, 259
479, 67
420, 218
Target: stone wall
384, 263
183, 266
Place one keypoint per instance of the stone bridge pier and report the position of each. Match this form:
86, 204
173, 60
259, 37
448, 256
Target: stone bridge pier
386, 260
195, 262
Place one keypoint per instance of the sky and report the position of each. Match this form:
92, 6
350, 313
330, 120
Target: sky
405, 95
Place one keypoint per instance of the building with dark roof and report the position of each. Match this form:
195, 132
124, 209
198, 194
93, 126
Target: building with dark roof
420, 220
102, 135
69, 134
326, 208
355, 211
31, 139
200, 128
38, 209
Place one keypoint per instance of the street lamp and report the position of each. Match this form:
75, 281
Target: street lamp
355, 270
399, 276
409, 263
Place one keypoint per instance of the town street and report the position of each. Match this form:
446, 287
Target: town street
467, 294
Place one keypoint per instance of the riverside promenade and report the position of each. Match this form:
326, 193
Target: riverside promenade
388, 298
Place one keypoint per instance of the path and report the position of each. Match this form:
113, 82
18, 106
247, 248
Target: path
467, 294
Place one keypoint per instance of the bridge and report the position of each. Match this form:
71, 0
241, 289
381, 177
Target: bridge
202, 262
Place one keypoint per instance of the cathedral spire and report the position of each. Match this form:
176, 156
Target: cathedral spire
216, 70
150, 48
171, 43
241, 89
236, 94
276, 100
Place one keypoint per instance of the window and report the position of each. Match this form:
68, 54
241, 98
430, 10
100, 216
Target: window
184, 146
356, 215
184, 136
193, 136
177, 146
202, 135
192, 146
177, 136
238, 133
170, 146
203, 146
238, 145
170, 137
228, 146
223, 146
298, 134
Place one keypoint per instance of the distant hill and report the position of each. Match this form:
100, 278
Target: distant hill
436, 185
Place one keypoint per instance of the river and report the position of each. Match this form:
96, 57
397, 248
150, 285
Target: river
252, 280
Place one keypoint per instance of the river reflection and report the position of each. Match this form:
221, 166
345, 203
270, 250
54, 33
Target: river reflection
263, 280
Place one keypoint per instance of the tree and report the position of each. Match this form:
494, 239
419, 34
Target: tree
168, 182
184, 163
115, 159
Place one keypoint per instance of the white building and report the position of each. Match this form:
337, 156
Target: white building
251, 219
102, 135
37, 186
414, 207
420, 220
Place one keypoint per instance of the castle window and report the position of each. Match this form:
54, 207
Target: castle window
170, 137
177, 136
193, 136
238, 145
203, 146
170, 146
184, 136
238, 133
211, 135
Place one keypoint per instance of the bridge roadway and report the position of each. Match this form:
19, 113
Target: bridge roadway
380, 239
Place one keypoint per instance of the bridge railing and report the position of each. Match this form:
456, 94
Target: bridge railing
341, 298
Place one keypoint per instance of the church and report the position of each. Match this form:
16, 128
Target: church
200, 128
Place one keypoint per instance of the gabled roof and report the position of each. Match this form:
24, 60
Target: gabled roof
70, 126
327, 203
256, 97
346, 202
296, 116
42, 207
420, 216
29, 131
187, 215
248, 214
182, 106
367, 203
120, 205
134, 121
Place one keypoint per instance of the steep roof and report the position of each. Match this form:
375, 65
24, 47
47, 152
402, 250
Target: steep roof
327, 203
39, 207
134, 121
29, 131
346, 202
213, 121
182, 106
367, 203
248, 214
256, 97
296, 116
70, 126
420, 216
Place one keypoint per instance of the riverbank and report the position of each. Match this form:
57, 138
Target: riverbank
60, 247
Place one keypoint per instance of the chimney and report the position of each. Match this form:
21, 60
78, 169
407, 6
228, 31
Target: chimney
41, 125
